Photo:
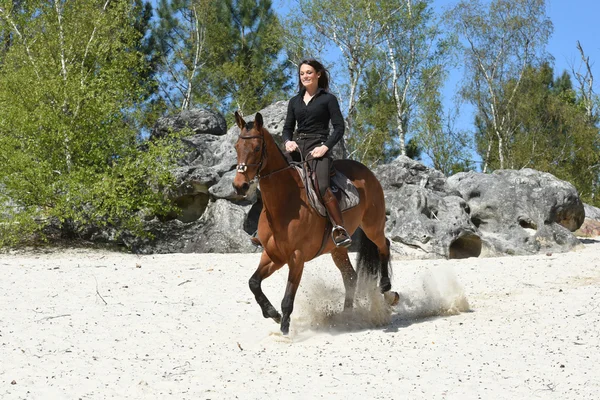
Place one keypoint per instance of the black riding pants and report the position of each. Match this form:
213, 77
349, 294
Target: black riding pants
322, 167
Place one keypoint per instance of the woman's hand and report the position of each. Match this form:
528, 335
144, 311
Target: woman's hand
319, 152
290, 146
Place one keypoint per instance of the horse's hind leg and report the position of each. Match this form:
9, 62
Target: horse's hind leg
384, 258
342, 261
265, 268
296, 264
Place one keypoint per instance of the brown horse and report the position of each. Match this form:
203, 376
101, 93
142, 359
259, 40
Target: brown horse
292, 233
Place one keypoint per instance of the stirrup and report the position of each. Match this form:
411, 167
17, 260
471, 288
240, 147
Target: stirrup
342, 243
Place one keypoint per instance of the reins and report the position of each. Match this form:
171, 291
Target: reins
242, 167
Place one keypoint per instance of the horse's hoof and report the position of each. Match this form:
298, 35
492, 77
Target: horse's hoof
348, 306
392, 298
277, 318
285, 328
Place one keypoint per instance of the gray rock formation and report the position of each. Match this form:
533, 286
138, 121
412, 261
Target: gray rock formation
405, 171
221, 230
429, 216
591, 212
521, 212
422, 215
591, 225
197, 120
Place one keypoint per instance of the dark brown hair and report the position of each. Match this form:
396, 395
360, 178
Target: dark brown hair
323, 79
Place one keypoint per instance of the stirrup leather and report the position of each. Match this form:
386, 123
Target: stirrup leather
342, 243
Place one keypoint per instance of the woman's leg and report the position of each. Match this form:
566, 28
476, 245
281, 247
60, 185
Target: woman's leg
322, 168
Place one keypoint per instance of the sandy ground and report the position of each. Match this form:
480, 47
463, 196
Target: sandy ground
81, 324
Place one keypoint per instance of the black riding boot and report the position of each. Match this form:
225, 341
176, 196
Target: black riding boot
338, 233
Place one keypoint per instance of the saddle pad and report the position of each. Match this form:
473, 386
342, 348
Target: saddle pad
341, 187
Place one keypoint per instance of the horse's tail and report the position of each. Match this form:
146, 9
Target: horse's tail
369, 262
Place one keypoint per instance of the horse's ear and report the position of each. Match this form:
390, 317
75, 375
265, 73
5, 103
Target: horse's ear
258, 121
239, 121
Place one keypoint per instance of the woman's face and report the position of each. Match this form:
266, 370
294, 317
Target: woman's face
309, 77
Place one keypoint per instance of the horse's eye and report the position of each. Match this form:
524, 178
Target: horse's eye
257, 149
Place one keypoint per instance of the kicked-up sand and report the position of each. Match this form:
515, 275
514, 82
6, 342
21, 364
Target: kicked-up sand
85, 324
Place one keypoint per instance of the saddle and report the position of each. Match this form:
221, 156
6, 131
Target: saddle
341, 187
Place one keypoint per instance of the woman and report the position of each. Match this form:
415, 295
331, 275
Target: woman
312, 109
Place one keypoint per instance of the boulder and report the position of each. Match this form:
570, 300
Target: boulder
590, 228
201, 164
429, 215
591, 224
224, 189
422, 215
405, 171
521, 212
221, 230
591, 212
198, 121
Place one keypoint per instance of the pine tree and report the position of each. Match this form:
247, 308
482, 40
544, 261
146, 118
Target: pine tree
224, 55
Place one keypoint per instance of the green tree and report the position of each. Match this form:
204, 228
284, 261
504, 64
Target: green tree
415, 52
552, 131
224, 54
180, 40
501, 39
248, 71
69, 151
375, 140
434, 130
385, 47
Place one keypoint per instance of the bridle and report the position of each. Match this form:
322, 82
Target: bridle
243, 167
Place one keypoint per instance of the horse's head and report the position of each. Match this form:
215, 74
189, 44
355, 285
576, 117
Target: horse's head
250, 148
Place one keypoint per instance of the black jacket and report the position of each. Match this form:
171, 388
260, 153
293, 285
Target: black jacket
313, 119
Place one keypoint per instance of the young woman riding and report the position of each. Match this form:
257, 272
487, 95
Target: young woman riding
311, 110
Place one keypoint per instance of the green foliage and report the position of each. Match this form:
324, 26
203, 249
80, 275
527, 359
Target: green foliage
551, 131
224, 55
435, 134
385, 49
247, 68
373, 134
500, 38
69, 149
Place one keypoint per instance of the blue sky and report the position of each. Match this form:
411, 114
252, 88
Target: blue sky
573, 20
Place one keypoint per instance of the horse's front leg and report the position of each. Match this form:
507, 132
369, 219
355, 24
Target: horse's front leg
296, 264
265, 268
342, 261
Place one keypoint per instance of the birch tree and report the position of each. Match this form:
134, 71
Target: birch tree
384, 47
355, 28
69, 82
414, 48
500, 40
220, 54
591, 103
181, 37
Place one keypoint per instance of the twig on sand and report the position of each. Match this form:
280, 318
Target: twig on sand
184, 282
587, 312
183, 371
98, 293
54, 317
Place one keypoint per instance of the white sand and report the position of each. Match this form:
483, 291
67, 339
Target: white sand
186, 326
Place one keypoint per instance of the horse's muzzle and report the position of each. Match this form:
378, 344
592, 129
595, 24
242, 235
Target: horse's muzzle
241, 188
